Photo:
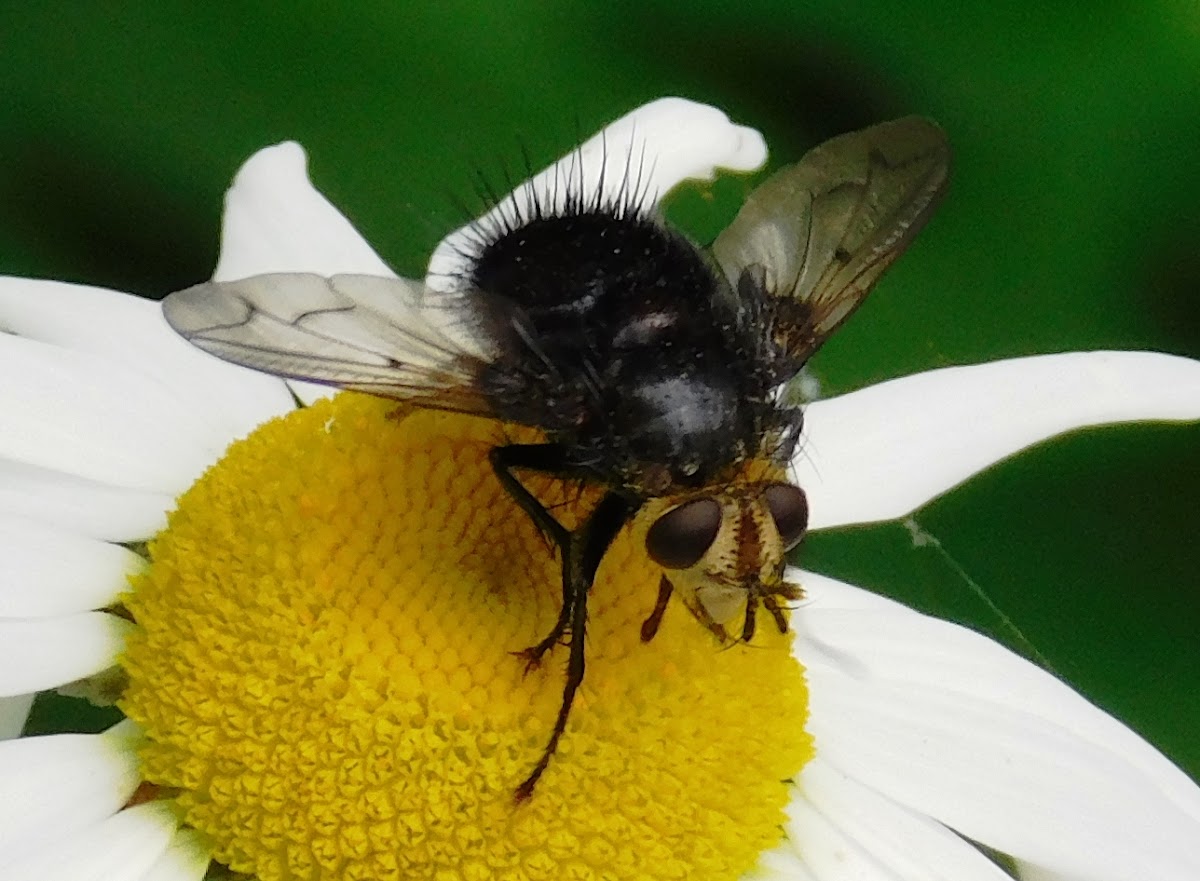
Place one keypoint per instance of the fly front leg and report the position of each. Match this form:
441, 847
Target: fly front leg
748, 623
651, 624
789, 592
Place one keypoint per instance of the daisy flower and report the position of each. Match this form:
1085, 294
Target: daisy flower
313, 649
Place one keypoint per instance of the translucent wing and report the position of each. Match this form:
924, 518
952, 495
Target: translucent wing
816, 236
367, 333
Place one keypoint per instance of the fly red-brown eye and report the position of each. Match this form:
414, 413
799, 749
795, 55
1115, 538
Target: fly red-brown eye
680, 537
789, 509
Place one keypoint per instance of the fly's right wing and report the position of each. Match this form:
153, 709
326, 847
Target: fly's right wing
382, 336
816, 236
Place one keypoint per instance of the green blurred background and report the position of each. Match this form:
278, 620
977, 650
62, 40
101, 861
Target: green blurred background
1071, 224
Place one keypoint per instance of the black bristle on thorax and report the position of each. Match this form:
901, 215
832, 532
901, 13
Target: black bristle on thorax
622, 339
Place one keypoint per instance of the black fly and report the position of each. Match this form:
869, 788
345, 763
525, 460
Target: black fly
652, 367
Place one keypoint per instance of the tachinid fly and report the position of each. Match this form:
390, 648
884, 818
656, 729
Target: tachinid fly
652, 367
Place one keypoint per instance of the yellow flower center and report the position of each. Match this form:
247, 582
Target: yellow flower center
323, 667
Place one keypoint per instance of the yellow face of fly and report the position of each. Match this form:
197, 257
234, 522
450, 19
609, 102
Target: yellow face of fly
723, 550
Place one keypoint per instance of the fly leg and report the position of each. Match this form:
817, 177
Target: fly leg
586, 548
546, 458
581, 551
788, 592
651, 624
772, 606
749, 621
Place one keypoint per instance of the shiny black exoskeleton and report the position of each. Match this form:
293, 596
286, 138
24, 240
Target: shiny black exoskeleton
647, 373
652, 372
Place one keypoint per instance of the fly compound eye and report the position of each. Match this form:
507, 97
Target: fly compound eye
789, 509
680, 537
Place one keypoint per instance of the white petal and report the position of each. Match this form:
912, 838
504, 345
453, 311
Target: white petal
41, 653
75, 504
952, 725
781, 862
186, 859
46, 571
884, 451
1030, 872
649, 152
844, 831
59, 784
131, 331
275, 221
122, 848
876, 637
13, 713
822, 592
90, 416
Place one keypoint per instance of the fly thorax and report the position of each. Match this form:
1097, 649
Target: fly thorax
691, 424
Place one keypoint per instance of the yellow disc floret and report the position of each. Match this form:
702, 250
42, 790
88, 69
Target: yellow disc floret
324, 670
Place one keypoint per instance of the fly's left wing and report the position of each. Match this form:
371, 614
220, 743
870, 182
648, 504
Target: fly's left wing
816, 236
382, 336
